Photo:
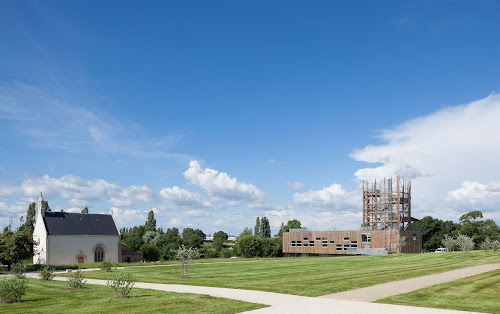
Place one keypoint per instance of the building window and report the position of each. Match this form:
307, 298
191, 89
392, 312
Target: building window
299, 243
98, 254
366, 238
414, 237
354, 242
346, 246
306, 239
346, 238
332, 242
339, 247
354, 245
311, 243
293, 243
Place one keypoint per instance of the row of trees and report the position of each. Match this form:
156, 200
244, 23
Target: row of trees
471, 224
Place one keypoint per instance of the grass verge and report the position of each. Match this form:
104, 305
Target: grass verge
55, 297
479, 293
308, 276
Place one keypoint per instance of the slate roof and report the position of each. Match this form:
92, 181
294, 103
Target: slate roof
79, 224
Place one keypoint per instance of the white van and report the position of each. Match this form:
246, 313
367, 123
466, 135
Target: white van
441, 250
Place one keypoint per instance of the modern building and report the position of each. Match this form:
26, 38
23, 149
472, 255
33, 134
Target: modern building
386, 226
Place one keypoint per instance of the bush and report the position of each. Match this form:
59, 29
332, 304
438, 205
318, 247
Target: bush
46, 273
486, 245
75, 280
226, 253
249, 246
122, 284
12, 289
105, 265
449, 243
465, 243
495, 246
211, 253
18, 270
150, 252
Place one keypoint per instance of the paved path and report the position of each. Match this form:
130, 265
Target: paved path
373, 293
278, 302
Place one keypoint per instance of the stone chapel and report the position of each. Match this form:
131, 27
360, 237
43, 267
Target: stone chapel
69, 238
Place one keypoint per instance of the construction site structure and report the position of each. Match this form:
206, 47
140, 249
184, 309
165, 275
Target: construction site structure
387, 204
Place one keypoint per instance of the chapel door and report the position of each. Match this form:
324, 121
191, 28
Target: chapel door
80, 259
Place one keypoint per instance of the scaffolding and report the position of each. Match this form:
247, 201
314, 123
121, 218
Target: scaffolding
387, 205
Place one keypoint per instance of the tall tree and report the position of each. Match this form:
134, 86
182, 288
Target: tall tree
151, 222
29, 225
85, 210
257, 227
246, 231
291, 224
265, 228
45, 206
219, 238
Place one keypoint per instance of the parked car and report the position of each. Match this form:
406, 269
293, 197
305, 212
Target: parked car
441, 250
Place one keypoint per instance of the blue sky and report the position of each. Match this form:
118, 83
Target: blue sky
214, 113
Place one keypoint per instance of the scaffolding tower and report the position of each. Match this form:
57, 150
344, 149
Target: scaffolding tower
387, 205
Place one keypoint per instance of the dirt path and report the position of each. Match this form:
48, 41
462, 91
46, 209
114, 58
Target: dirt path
373, 293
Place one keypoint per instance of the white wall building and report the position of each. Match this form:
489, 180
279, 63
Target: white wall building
68, 238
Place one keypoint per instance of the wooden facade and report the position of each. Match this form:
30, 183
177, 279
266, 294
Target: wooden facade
346, 242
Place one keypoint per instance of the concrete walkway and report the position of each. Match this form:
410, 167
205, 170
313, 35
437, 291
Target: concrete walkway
278, 302
373, 293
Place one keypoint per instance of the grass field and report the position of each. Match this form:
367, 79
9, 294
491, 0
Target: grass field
308, 276
50, 297
479, 293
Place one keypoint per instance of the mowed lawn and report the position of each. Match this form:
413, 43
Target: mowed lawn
308, 276
479, 293
53, 297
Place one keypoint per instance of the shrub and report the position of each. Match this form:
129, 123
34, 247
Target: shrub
495, 246
150, 252
12, 289
122, 284
211, 253
249, 246
449, 243
106, 265
185, 257
76, 280
465, 243
18, 270
486, 245
46, 273
226, 253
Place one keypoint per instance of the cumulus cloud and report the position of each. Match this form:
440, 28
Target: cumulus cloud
175, 222
196, 213
221, 184
475, 196
440, 151
79, 192
178, 197
295, 185
331, 197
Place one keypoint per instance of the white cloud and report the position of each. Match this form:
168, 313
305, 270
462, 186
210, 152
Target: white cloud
127, 217
175, 222
196, 213
271, 161
221, 184
440, 151
331, 197
79, 192
475, 196
176, 196
219, 222
295, 185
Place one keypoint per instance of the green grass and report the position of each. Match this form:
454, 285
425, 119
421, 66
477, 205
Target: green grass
50, 297
308, 276
479, 293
